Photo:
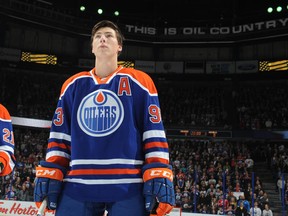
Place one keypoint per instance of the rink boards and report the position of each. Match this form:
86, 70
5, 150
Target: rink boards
16, 208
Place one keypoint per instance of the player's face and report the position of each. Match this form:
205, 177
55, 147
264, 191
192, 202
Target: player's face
105, 43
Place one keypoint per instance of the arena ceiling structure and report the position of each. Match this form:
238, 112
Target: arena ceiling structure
181, 12
160, 21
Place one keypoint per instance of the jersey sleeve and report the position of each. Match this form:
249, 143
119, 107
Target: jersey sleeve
59, 142
7, 157
150, 121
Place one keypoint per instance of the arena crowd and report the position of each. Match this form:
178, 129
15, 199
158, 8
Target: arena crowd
211, 176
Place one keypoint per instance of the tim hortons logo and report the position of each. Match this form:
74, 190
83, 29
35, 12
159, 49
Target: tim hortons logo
17, 209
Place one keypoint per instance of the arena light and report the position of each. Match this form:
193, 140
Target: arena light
279, 9
116, 13
100, 11
270, 10
82, 8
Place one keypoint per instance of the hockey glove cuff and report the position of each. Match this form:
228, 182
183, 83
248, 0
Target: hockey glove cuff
48, 184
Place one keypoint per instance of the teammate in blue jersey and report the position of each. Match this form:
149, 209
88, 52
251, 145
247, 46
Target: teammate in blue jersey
7, 158
107, 148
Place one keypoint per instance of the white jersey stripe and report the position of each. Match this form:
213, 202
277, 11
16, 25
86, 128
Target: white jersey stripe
61, 136
5, 120
107, 162
158, 154
153, 133
57, 153
7, 148
103, 181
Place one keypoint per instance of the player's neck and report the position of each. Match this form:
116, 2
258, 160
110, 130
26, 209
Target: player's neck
104, 69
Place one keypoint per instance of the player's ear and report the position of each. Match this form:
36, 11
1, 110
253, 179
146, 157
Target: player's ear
92, 47
119, 48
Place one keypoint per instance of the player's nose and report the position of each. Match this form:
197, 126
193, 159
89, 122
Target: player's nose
102, 38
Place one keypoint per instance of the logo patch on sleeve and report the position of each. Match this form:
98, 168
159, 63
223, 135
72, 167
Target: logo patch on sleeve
100, 113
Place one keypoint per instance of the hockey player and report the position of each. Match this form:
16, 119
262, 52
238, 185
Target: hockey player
7, 158
107, 148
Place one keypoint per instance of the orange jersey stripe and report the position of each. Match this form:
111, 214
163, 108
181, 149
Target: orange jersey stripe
60, 145
64, 162
86, 73
72, 78
156, 160
4, 114
104, 171
156, 144
143, 78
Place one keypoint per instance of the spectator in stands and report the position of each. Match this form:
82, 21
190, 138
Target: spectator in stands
255, 211
187, 205
280, 186
286, 195
221, 201
180, 180
186, 193
10, 192
178, 197
23, 194
204, 210
267, 211
232, 201
262, 199
230, 210
241, 210
211, 189
18, 183
245, 202
203, 200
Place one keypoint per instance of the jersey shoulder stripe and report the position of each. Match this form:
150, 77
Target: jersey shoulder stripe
4, 114
72, 79
143, 78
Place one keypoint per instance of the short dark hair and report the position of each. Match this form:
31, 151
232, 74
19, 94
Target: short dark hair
110, 24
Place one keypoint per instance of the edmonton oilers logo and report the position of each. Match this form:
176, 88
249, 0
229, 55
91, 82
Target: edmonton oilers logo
100, 113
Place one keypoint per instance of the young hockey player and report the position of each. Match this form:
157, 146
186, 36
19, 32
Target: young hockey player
107, 148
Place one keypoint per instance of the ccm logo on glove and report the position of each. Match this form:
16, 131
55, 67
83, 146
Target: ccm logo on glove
51, 173
158, 173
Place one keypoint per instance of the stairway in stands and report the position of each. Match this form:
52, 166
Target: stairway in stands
269, 186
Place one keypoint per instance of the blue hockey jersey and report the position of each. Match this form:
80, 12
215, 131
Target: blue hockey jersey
104, 131
7, 157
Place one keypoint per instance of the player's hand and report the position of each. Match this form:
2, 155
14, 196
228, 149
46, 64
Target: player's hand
159, 196
158, 189
48, 184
